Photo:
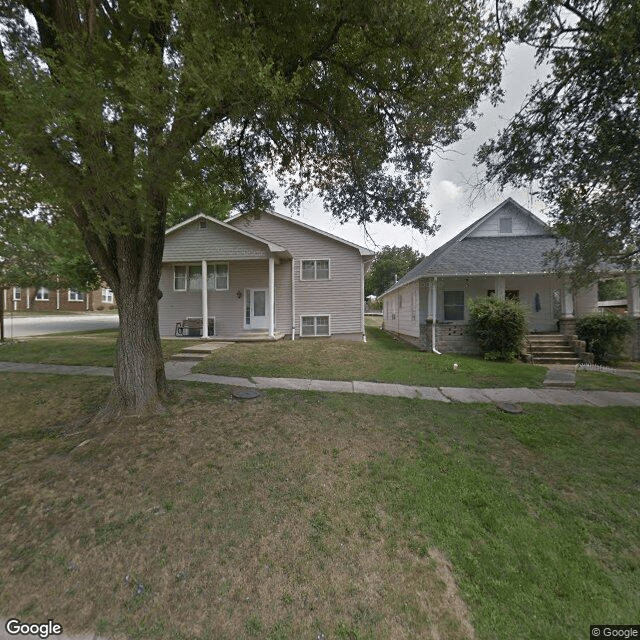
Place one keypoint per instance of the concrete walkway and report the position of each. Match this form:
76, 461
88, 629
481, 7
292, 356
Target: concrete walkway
176, 370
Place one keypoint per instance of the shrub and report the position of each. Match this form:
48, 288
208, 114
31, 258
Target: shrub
604, 334
499, 326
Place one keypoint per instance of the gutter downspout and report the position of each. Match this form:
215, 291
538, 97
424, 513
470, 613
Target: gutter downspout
434, 299
293, 299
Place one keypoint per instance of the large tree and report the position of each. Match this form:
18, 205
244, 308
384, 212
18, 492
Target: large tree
389, 264
110, 101
577, 138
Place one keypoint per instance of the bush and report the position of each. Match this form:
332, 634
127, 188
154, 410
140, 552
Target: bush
604, 334
499, 326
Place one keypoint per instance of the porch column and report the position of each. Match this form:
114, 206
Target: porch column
57, 299
500, 288
28, 299
430, 301
566, 301
633, 295
205, 301
272, 296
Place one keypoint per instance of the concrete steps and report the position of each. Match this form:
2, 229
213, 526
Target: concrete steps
553, 348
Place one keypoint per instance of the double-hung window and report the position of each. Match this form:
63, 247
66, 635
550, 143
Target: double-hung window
107, 296
218, 276
42, 294
314, 270
454, 305
17, 293
75, 296
189, 277
314, 325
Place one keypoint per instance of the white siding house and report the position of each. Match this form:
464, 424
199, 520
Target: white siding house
267, 276
504, 253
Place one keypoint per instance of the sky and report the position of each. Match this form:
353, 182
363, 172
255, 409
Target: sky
451, 193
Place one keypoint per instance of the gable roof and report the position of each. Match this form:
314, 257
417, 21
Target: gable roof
487, 255
363, 250
275, 248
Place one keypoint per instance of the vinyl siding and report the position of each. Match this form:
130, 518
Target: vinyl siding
228, 309
522, 225
340, 296
190, 243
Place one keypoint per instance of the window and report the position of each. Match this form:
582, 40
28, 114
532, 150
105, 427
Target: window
107, 296
314, 325
399, 302
454, 305
218, 276
42, 294
17, 293
506, 225
75, 296
414, 295
195, 278
179, 278
509, 294
315, 270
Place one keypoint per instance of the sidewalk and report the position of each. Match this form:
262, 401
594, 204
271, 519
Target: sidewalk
176, 370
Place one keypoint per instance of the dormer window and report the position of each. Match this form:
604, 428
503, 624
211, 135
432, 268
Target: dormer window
506, 225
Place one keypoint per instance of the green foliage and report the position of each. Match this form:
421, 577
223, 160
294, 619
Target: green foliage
499, 326
35, 252
578, 135
615, 289
604, 334
389, 263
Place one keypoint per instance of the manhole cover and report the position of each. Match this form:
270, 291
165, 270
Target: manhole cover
509, 407
245, 393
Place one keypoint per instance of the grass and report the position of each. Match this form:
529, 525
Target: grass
594, 380
303, 514
96, 348
381, 359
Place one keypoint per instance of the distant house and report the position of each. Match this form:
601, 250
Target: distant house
51, 300
267, 277
502, 254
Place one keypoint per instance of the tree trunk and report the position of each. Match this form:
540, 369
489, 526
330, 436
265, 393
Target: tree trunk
139, 385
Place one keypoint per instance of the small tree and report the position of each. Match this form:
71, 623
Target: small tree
389, 263
499, 326
604, 334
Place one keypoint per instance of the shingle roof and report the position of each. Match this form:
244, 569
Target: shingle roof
466, 254
515, 254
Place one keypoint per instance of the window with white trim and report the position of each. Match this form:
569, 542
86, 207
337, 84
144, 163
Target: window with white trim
42, 294
17, 293
179, 278
314, 325
218, 276
314, 270
107, 296
195, 278
75, 296
414, 295
453, 305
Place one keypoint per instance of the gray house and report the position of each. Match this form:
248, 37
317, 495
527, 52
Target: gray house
503, 254
267, 277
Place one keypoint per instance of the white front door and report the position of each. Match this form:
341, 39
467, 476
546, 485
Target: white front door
255, 309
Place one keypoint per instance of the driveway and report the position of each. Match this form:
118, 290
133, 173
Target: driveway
37, 325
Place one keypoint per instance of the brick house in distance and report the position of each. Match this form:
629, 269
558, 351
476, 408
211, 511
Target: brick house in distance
43, 299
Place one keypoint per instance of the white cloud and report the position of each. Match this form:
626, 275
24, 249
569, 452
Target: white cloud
448, 190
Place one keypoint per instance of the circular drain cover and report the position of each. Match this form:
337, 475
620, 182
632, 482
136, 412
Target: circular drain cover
245, 393
509, 407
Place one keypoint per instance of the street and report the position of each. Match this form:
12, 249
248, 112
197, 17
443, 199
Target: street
36, 325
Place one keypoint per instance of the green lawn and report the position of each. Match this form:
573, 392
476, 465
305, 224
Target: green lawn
306, 515
606, 381
95, 348
381, 359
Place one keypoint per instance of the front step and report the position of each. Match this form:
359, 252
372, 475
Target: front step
549, 349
